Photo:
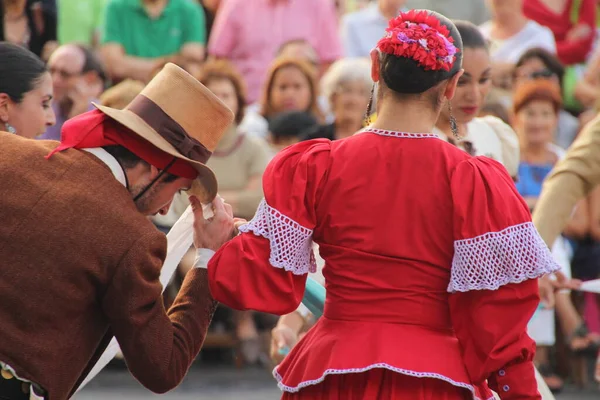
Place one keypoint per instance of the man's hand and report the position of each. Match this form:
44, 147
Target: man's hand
216, 231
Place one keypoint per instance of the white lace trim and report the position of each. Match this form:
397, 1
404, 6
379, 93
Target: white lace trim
407, 135
301, 385
291, 243
495, 259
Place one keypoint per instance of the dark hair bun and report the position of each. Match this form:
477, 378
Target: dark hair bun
406, 75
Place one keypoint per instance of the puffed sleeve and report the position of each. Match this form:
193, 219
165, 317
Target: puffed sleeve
498, 254
265, 267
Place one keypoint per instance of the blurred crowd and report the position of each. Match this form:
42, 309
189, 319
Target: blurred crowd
294, 70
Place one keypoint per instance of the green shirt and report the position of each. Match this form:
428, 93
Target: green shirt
79, 20
126, 22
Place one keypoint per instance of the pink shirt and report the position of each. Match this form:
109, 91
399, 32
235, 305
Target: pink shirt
249, 33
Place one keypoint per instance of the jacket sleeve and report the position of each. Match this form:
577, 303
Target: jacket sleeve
158, 345
498, 255
266, 266
573, 178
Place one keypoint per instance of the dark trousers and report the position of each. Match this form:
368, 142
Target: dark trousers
12, 388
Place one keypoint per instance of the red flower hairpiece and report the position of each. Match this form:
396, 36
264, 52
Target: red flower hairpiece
421, 37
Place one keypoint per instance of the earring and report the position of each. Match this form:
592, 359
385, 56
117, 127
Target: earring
369, 106
10, 128
453, 124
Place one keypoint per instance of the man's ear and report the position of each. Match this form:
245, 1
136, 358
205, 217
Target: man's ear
5, 104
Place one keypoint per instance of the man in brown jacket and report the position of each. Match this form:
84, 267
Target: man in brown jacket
80, 260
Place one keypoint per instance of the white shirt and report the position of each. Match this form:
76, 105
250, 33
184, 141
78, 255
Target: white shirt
509, 50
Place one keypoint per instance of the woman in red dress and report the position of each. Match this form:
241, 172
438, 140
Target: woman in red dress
431, 258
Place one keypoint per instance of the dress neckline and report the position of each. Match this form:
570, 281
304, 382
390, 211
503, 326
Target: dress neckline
406, 135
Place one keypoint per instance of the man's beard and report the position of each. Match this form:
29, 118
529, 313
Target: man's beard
143, 203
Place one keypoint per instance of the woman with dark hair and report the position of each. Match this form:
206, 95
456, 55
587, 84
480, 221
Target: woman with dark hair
487, 136
431, 258
29, 23
25, 92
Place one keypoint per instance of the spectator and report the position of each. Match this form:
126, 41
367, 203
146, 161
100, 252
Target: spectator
362, 29
140, 36
347, 86
474, 11
25, 92
80, 21
28, 23
78, 79
240, 159
535, 111
539, 63
299, 49
238, 163
511, 34
288, 128
574, 35
291, 86
210, 11
248, 33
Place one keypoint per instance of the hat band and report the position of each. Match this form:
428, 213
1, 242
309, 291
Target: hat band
169, 129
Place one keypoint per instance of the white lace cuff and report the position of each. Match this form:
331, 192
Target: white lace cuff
291, 243
495, 259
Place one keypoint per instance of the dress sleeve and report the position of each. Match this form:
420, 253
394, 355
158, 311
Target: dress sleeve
498, 255
265, 267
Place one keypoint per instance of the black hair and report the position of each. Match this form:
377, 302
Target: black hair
20, 71
291, 124
550, 61
129, 160
405, 76
471, 36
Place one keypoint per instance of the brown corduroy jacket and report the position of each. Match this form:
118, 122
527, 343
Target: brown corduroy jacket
79, 263
573, 178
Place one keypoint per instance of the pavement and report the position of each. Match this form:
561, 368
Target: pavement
221, 383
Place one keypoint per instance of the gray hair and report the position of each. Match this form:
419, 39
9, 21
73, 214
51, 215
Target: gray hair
343, 71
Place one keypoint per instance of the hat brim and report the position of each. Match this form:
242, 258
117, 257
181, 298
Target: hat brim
204, 186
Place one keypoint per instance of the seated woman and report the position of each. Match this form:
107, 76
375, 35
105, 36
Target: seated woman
291, 85
347, 86
535, 115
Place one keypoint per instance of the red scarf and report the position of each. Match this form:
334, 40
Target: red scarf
96, 129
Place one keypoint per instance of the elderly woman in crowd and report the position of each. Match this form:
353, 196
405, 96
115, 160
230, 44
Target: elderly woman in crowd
291, 85
347, 86
536, 108
238, 162
538, 63
25, 92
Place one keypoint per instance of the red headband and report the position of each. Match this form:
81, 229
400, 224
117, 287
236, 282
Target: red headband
96, 129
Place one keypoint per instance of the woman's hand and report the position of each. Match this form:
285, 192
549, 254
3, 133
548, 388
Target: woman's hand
548, 286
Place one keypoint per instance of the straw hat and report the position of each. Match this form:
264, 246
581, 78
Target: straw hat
181, 117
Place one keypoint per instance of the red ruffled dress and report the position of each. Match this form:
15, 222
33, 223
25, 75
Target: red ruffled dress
430, 266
